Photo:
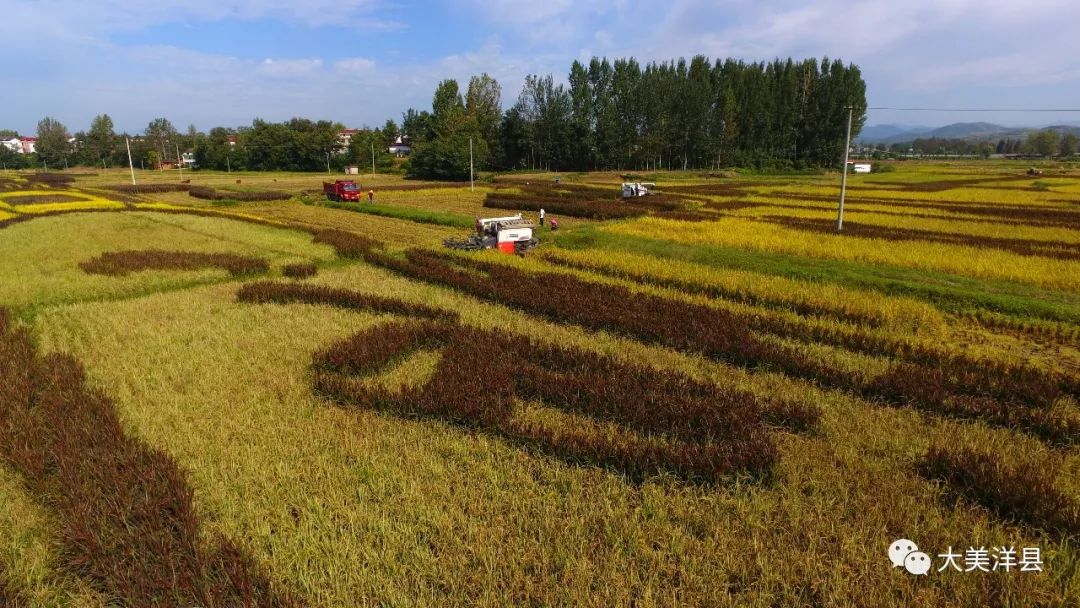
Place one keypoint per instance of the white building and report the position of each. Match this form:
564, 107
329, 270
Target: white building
400, 147
14, 144
29, 144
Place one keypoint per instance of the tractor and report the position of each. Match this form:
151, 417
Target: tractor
511, 234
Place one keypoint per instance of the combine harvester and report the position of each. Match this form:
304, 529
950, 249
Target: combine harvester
636, 189
511, 234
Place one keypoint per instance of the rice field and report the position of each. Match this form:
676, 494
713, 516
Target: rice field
703, 398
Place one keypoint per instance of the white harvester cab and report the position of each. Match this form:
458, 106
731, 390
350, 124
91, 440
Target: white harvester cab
633, 189
510, 234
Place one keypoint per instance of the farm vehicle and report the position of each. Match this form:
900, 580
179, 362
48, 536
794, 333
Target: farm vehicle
511, 234
635, 189
342, 190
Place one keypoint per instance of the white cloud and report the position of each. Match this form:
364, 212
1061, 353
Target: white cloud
289, 68
355, 64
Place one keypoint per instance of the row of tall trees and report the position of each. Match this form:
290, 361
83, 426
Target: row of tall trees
618, 114
674, 115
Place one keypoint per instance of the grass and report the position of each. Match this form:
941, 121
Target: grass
354, 506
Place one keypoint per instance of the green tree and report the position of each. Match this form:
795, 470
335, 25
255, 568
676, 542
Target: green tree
53, 146
99, 143
162, 137
447, 109
1067, 147
446, 158
483, 106
1043, 143
361, 147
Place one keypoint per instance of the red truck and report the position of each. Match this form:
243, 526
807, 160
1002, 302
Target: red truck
342, 190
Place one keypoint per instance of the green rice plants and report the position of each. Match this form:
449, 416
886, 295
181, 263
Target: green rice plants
128, 526
1018, 485
121, 263
299, 270
266, 292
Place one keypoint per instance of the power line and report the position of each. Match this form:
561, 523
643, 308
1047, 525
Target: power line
975, 109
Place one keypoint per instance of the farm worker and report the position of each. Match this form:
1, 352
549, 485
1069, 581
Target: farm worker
371, 196
479, 227
554, 224
541, 217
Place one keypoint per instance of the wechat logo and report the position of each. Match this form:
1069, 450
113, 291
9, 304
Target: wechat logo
905, 554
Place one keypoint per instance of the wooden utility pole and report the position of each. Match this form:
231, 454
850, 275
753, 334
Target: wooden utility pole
472, 184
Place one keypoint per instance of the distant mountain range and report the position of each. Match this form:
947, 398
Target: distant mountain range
978, 131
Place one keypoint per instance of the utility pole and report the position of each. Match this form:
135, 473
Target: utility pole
131, 165
328, 162
179, 162
372, 160
228, 165
472, 183
843, 181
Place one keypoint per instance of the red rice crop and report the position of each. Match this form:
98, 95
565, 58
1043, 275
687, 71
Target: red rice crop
120, 263
347, 244
300, 270
698, 431
1014, 484
208, 193
924, 378
149, 188
127, 523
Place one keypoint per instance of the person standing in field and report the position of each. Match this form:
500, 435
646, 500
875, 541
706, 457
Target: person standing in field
371, 196
541, 218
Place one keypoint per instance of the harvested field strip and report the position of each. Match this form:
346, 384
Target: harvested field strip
1059, 251
299, 270
1022, 395
121, 263
129, 527
1016, 484
291, 293
697, 431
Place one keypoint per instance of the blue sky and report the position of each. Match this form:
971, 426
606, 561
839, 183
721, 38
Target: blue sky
225, 62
